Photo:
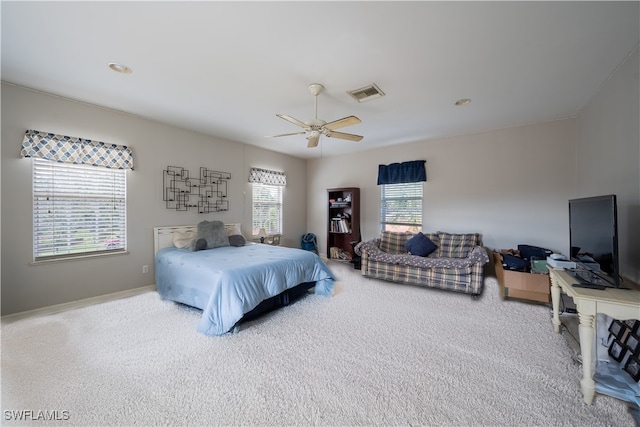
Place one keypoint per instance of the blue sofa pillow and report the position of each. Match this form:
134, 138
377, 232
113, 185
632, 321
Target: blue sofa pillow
420, 245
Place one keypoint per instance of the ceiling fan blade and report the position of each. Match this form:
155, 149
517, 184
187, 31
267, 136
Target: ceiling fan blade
292, 120
346, 121
285, 134
313, 140
342, 135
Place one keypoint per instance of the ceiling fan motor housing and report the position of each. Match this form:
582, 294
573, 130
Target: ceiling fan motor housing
315, 124
317, 127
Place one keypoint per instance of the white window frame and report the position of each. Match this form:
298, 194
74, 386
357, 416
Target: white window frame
271, 222
396, 217
78, 210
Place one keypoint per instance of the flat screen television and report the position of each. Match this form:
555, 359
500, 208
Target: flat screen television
593, 240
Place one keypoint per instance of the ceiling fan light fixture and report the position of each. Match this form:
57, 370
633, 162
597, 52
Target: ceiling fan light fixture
119, 68
366, 93
461, 102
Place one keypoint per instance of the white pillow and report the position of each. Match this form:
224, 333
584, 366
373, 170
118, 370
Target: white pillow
183, 239
233, 229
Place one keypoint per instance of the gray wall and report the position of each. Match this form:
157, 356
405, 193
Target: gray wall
511, 185
608, 156
26, 286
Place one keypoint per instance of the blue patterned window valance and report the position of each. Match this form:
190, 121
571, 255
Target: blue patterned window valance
400, 173
70, 149
264, 176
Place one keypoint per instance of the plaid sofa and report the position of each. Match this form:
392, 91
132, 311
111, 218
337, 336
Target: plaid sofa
456, 265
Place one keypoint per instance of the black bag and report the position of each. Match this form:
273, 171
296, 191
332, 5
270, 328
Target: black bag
515, 263
529, 252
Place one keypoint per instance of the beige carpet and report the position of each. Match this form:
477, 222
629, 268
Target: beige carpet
373, 354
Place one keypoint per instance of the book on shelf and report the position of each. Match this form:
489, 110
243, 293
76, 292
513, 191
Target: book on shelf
340, 225
337, 253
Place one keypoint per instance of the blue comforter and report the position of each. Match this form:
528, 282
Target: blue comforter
230, 281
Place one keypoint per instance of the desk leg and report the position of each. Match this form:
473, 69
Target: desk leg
555, 302
587, 334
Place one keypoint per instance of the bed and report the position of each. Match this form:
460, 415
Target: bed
231, 283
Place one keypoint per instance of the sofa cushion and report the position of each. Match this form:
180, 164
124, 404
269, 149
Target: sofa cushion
371, 252
393, 242
420, 245
435, 238
457, 245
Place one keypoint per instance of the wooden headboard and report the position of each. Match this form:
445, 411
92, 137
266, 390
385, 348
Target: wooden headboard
163, 236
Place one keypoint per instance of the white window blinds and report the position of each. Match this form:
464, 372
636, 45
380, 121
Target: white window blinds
77, 210
401, 207
267, 188
267, 208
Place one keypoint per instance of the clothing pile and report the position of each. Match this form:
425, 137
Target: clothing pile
524, 259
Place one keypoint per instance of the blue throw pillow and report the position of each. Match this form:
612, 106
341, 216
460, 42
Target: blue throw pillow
420, 245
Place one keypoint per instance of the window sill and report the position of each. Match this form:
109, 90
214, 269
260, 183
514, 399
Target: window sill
77, 257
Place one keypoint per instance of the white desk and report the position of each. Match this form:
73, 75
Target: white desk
618, 303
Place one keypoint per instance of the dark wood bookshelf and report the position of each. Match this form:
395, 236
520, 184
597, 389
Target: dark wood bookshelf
343, 226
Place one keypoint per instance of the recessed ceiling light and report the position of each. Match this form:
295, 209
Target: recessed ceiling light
119, 68
461, 102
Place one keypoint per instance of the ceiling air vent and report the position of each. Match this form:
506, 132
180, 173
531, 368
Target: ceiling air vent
366, 93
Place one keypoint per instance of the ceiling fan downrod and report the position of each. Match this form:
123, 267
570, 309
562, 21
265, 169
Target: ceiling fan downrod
315, 89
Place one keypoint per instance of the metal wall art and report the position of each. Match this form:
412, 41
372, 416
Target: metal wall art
206, 194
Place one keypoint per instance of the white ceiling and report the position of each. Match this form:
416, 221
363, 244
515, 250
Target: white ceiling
226, 68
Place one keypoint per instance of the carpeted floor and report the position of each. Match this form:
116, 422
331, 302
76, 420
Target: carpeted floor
373, 354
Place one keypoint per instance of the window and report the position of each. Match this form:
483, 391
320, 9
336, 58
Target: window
401, 207
267, 188
78, 210
267, 208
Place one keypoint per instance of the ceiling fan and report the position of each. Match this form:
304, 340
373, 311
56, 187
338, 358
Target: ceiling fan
316, 127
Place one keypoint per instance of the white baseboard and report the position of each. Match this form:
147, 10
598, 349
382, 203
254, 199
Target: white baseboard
77, 304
